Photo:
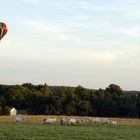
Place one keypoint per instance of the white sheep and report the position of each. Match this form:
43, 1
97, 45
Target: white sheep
18, 119
49, 121
104, 121
72, 121
63, 121
114, 123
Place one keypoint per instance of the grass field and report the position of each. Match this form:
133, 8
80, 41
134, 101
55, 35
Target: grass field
34, 130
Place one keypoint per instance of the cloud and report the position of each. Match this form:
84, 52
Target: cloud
87, 56
48, 30
36, 2
41, 26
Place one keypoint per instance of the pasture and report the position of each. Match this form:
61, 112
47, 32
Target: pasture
33, 129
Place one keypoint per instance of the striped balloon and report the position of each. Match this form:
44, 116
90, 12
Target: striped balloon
3, 30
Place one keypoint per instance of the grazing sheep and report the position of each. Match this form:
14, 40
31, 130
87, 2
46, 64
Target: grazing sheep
84, 121
18, 119
94, 121
104, 121
49, 121
72, 121
114, 123
78, 121
63, 121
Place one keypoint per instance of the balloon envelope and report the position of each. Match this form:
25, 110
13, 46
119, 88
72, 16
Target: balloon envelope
3, 30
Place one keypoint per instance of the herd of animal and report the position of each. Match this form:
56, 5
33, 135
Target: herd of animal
80, 121
74, 121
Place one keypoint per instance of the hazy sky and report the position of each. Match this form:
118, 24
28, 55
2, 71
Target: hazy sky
71, 42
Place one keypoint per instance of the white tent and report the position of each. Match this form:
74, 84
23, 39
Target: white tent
13, 112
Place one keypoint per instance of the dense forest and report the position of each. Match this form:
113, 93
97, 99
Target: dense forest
62, 100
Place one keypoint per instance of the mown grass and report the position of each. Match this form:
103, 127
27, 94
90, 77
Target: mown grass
38, 131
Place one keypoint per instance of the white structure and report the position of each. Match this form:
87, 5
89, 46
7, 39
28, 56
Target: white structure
13, 112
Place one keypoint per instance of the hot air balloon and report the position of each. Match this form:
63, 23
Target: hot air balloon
3, 30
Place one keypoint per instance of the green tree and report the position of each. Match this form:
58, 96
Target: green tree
114, 90
1, 111
83, 108
46, 90
138, 103
6, 110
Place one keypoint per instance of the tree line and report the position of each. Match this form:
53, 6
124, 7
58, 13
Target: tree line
62, 100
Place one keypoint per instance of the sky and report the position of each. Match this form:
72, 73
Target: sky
92, 43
